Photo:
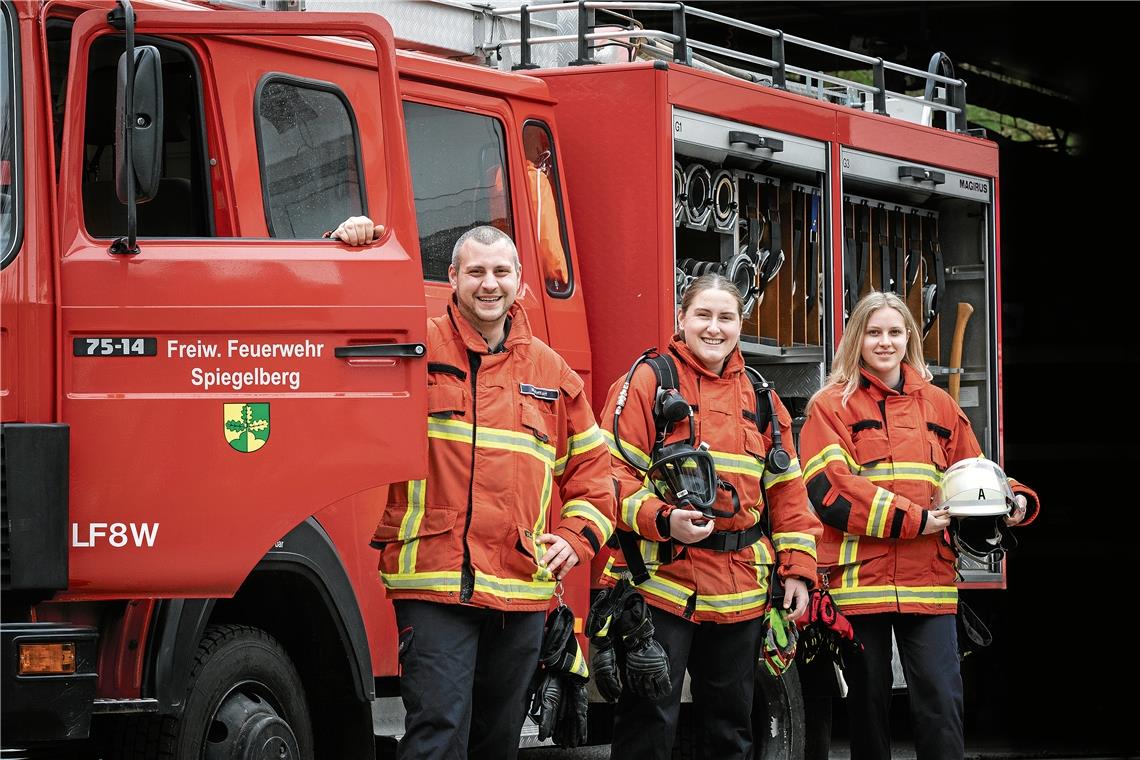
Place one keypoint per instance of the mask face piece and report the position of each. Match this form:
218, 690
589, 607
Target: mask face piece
684, 476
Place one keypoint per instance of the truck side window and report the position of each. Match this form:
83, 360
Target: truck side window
309, 155
546, 209
458, 177
10, 211
181, 208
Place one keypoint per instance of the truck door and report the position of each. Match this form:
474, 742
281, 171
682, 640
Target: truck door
223, 388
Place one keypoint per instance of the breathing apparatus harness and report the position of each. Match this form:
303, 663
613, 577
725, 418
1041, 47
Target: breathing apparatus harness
683, 474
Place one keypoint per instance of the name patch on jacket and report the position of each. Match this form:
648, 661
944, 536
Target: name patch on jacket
546, 394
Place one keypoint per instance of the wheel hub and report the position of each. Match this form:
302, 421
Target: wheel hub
246, 727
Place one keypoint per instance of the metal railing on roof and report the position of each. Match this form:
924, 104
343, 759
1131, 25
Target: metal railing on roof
943, 92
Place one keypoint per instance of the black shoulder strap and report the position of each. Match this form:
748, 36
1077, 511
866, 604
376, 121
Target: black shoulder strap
760, 389
665, 370
667, 380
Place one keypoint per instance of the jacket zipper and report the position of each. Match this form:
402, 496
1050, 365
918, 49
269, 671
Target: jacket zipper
467, 574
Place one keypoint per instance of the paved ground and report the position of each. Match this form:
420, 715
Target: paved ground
901, 751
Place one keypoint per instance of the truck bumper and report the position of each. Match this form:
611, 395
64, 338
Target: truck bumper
42, 707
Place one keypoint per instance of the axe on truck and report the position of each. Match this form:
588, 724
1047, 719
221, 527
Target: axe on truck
955, 382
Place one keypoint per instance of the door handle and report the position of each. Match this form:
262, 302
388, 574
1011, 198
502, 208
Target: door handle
370, 350
922, 175
755, 141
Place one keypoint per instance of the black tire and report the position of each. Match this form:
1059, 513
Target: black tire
778, 728
245, 700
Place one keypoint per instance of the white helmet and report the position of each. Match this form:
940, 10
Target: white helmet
975, 488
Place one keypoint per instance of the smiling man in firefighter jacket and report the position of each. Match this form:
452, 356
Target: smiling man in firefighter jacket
469, 555
876, 441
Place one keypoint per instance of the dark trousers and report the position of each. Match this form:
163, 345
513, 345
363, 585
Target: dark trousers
928, 646
721, 660
464, 673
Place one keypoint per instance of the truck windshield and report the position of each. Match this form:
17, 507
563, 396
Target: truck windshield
9, 205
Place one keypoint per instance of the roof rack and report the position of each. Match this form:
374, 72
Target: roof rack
601, 27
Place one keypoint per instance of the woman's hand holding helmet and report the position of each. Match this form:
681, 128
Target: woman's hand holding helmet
937, 520
1019, 509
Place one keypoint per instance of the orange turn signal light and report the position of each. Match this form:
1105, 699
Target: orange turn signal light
47, 659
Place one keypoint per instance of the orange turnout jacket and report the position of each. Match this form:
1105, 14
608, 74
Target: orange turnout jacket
872, 470
703, 584
505, 430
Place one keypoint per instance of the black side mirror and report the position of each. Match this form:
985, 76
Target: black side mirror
143, 163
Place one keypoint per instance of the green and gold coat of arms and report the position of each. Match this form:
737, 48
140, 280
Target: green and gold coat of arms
246, 426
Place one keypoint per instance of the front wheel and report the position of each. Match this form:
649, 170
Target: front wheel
245, 701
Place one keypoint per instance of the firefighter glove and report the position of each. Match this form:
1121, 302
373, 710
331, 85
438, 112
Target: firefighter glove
546, 704
600, 627
646, 662
558, 688
778, 649
570, 730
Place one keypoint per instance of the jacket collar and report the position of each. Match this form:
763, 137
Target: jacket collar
911, 380
519, 333
734, 365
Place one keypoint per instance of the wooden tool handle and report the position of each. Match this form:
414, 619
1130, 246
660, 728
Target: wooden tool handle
964, 312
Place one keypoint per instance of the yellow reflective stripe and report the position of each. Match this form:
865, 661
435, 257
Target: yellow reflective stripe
880, 508
772, 479
579, 444
848, 549
491, 438
640, 458
737, 602
848, 553
581, 508
804, 542
866, 595
928, 594
541, 573
902, 471
650, 553
763, 556
585, 441
510, 588
449, 430
665, 589
437, 581
410, 526
741, 464
631, 504
763, 569
523, 443
449, 581
578, 667
831, 453
609, 571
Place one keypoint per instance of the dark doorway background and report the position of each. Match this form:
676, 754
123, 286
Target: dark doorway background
1062, 672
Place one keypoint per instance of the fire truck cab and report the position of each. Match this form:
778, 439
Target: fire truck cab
203, 401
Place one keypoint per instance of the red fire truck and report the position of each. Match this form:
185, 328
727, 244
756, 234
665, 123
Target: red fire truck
203, 403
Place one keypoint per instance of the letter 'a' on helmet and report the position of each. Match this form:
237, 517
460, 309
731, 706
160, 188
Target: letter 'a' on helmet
682, 475
975, 488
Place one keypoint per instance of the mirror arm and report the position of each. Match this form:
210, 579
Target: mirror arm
124, 17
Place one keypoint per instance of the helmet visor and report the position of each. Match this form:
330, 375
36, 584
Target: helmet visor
975, 488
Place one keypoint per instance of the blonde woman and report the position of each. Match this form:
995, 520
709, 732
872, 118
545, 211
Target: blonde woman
877, 438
